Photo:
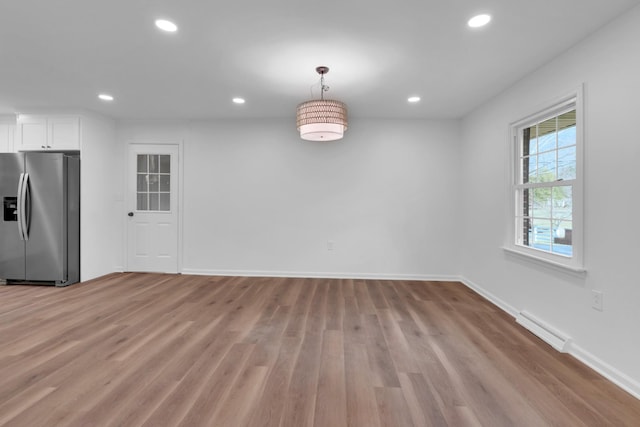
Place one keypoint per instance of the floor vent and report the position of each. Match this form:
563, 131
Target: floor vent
550, 335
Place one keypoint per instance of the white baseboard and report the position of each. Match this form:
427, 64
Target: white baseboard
490, 297
622, 380
617, 377
321, 275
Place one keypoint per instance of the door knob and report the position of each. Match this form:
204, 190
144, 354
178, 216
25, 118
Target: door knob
130, 214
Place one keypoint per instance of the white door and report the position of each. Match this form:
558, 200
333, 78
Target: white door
152, 200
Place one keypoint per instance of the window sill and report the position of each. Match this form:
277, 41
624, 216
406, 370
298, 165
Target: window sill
545, 262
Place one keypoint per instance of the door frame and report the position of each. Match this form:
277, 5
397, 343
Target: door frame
180, 161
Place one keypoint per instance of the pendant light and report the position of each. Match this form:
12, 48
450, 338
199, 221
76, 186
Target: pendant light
322, 119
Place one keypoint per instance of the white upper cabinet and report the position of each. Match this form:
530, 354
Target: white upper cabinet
7, 130
47, 132
64, 132
31, 133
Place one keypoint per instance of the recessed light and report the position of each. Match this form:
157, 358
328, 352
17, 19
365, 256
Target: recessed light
479, 20
238, 100
413, 99
167, 26
105, 97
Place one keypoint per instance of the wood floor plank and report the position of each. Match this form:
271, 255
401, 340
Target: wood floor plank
335, 306
362, 408
296, 324
15, 380
140, 349
267, 411
352, 323
392, 408
348, 289
267, 335
133, 377
383, 370
423, 405
217, 386
235, 409
331, 397
401, 354
374, 289
300, 399
363, 298
196, 371
23, 402
397, 305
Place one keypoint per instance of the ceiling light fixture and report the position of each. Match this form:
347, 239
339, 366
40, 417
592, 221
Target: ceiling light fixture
413, 99
479, 21
167, 26
322, 119
238, 100
105, 97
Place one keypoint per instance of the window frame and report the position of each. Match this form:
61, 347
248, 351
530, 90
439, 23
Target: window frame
575, 262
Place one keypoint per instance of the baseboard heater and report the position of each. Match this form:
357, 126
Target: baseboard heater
556, 339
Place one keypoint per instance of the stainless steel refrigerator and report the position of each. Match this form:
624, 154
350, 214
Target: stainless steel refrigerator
40, 224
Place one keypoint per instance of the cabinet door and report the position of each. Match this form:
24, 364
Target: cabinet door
64, 133
6, 137
32, 133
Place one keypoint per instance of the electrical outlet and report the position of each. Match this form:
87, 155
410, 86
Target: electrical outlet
596, 300
330, 244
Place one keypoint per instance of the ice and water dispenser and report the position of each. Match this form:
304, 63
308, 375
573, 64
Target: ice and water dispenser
10, 208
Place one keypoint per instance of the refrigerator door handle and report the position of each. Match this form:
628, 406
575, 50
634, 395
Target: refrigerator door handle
23, 227
26, 220
20, 206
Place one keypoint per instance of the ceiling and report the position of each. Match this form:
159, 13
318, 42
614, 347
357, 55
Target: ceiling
61, 54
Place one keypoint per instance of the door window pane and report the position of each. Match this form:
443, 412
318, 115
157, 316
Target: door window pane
154, 201
154, 166
165, 201
165, 163
165, 183
142, 163
142, 183
153, 182
142, 204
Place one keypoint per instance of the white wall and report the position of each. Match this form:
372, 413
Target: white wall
609, 66
101, 198
258, 200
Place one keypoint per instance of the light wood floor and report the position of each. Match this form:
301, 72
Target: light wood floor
165, 350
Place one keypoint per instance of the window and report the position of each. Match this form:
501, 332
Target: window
547, 184
153, 182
